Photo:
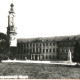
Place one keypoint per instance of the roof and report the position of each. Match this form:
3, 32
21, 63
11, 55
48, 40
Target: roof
47, 39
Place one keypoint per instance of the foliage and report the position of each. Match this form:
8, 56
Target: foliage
4, 46
76, 54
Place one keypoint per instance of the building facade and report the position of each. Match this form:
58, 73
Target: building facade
36, 49
54, 48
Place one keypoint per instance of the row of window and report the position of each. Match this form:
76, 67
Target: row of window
65, 50
33, 45
66, 43
36, 57
36, 50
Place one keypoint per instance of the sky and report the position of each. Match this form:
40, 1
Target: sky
42, 18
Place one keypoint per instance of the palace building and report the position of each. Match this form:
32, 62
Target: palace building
47, 48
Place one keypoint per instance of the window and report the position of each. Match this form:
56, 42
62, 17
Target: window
57, 49
27, 50
46, 50
53, 50
30, 50
40, 45
43, 44
18, 45
36, 49
62, 50
24, 45
50, 50
30, 45
36, 45
27, 45
50, 44
40, 49
24, 51
53, 44
66, 50
33, 50
18, 51
46, 44
43, 50
21, 50
21, 45
33, 45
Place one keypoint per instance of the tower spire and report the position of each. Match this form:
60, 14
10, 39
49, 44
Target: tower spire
11, 9
11, 16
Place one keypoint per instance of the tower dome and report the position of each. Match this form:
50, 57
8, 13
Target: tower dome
11, 9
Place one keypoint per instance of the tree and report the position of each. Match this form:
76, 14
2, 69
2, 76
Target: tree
4, 46
76, 54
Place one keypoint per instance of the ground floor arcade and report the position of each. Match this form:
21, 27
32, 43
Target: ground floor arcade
35, 56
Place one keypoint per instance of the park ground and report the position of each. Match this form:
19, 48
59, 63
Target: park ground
40, 71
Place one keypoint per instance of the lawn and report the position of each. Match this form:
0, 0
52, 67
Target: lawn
40, 71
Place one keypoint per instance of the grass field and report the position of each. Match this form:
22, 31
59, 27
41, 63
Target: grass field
40, 71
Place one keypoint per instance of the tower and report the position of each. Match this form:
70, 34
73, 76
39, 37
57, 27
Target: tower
11, 29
